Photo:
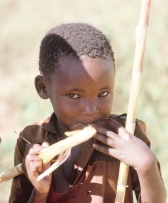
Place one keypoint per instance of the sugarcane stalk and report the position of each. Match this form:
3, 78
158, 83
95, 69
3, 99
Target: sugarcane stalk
47, 154
141, 32
81, 136
10, 173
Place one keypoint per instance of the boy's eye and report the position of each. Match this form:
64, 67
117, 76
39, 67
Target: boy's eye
73, 96
103, 94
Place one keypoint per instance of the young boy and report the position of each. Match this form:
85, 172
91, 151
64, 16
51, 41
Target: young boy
77, 70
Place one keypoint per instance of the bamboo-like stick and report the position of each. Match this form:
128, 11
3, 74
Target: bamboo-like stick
77, 137
141, 31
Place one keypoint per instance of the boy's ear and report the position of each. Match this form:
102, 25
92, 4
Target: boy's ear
40, 85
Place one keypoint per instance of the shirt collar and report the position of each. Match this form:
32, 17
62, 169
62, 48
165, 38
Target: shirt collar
50, 125
53, 125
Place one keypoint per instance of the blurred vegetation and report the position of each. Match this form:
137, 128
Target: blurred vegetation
24, 23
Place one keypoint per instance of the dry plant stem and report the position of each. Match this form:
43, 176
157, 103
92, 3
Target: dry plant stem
12, 172
134, 93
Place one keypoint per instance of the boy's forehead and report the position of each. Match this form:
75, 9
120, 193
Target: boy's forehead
84, 63
84, 71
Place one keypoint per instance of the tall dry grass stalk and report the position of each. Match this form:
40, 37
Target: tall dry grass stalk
134, 93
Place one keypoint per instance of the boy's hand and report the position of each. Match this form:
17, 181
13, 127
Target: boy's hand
124, 146
33, 166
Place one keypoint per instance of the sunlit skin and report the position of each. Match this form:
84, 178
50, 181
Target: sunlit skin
81, 93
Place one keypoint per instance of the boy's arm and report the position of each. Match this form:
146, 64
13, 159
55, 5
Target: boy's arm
32, 166
152, 187
36, 198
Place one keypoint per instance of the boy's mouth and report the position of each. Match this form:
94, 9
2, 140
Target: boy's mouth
81, 125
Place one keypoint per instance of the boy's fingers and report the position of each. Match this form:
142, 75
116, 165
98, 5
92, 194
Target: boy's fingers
36, 165
30, 162
33, 157
119, 130
46, 166
115, 125
27, 148
106, 140
106, 150
35, 150
31, 148
103, 131
45, 144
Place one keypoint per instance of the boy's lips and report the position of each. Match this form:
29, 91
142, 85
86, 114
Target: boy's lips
92, 122
80, 125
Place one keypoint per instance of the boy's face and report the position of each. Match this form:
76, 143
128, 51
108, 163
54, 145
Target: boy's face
81, 91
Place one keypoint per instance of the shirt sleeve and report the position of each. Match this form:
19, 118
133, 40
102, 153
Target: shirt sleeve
21, 188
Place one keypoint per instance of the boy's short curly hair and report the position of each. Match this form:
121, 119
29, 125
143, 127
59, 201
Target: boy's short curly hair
75, 39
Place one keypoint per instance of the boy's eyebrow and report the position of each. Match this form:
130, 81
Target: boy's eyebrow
82, 90
106, 88
76, 90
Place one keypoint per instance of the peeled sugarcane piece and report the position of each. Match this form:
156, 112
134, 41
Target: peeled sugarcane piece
70, 133
81, 136
11, 173
61, 159
77, 137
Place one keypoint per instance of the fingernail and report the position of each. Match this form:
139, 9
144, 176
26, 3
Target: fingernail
93, 125
95, 145
110, 119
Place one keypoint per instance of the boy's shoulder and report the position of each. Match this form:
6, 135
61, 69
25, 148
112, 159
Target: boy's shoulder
37, 131
122, 119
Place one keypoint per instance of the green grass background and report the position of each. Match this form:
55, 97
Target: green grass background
24, 23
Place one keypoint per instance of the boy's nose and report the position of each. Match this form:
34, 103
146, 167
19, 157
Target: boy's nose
90, 109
